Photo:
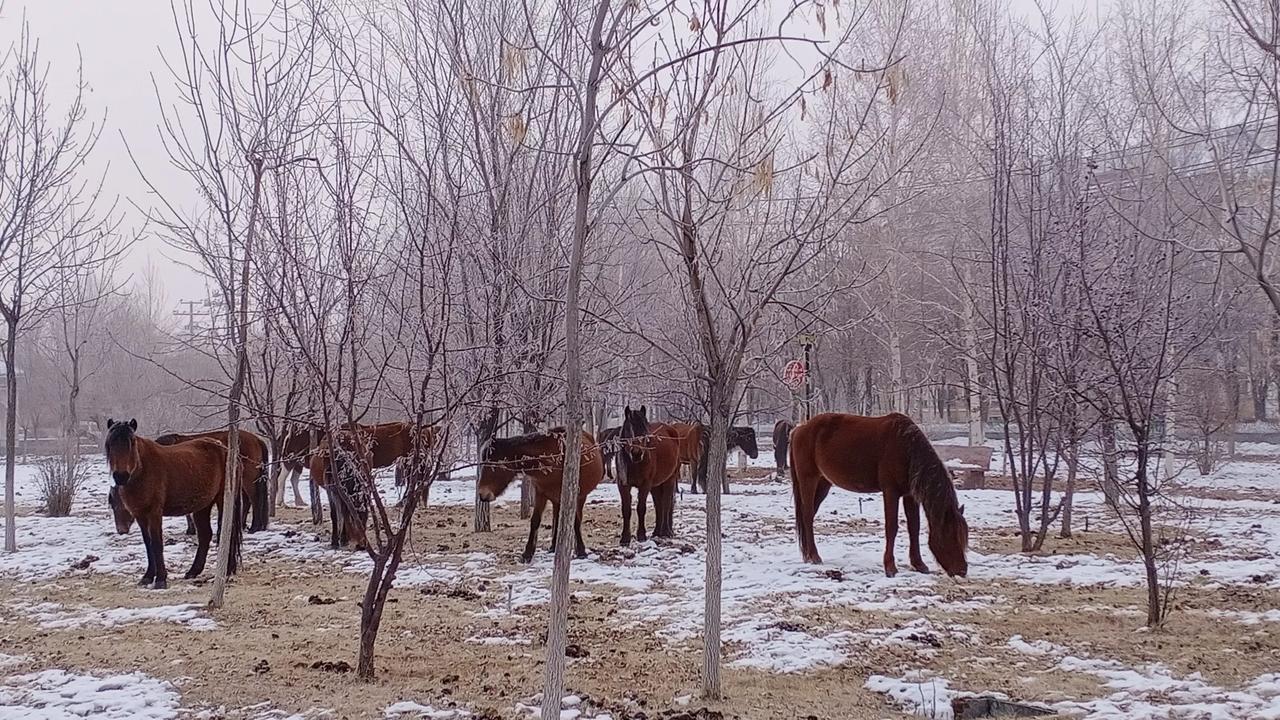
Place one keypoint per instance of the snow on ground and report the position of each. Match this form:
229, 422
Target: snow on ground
765, 586
54, 616
56, 694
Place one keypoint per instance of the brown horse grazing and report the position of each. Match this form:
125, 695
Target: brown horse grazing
253, 470
889, 455
153, 481
540, 456
650, 462
781, 440
371, 447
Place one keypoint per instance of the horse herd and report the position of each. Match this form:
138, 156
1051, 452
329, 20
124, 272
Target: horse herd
183, 474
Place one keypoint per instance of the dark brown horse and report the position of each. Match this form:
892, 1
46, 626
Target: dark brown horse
154, 481
888, 455
781, 440
366, 448
253, 477
540, 457
649, 461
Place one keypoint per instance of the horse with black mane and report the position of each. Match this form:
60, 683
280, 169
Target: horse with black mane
253, 479
694, 437
154, 481
540, 456
609, 446
649, 461
889, 455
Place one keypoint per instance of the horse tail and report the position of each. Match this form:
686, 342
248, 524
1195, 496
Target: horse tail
261, 491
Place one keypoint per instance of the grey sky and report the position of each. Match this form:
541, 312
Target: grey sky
121, 42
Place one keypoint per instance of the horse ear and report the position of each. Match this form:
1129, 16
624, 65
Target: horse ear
961, 510
133, 424
643, 411
626, 410
110, 423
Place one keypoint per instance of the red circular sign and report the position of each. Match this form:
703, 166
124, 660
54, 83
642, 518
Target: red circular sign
794, 373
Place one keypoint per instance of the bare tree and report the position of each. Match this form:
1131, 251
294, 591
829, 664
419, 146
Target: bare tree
46, 206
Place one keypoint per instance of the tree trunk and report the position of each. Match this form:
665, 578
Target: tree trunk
1069, 493
716, 475
1110, 465
558, 622
487, 430
10, 433
526, 485
240, 334
976, 434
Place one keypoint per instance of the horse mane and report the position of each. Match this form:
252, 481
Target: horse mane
514, 443
928, 478
119, 435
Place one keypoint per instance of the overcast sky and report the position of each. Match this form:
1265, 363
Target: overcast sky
121, 42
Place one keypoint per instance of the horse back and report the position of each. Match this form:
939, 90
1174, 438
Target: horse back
854, 452
177, 479
665, 455
689, 436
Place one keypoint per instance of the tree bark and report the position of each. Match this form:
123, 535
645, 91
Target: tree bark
10, 433
231, 490
558, 622
716, 476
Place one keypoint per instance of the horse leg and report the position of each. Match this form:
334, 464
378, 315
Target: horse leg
664, 501
295, 477
204, 533
693, 485
808, 490
535, 520
284, 472
555, 525
191, 526
156, 530
624, 493
912, 510
150, 574
642, 494
890, 533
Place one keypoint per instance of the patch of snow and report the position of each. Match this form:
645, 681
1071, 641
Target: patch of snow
55, 616
1153, 691
918, 693
408, 708
57, 694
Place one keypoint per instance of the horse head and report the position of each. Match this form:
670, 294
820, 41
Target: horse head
949, 541
122, 451
744, 437
496, 470
121, 514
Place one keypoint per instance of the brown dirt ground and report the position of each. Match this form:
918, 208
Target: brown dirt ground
422, 654
269, 635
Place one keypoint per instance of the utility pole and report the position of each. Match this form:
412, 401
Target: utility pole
190, 312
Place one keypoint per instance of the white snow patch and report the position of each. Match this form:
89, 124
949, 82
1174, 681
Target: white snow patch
1152, 692
417, 710
55, 616
57, 694
917, 693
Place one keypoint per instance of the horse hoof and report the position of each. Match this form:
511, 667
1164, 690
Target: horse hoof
146, 580
890, 572
160, 584
921, 568
580, 555
526, 558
